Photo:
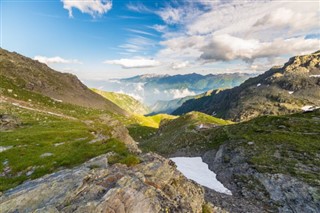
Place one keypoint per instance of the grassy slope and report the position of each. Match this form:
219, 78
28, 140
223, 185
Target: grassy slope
40, 131
144, 127
37, 77
126, 102
174, 135
282, 144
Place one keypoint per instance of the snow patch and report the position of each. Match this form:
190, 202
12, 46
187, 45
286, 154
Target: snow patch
290, 92
309, 108
258, 85
195, 169
314, 76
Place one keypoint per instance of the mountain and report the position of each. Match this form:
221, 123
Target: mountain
281, 90
270, 163
124, 101
42, 131
37, 77
193, 82
151, 88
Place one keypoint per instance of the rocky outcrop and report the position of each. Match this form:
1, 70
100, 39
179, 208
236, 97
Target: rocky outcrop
8, 122
151, 186
278, 91
269, 192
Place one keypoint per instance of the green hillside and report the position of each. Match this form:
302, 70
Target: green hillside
124, 101
175, 134
40, 134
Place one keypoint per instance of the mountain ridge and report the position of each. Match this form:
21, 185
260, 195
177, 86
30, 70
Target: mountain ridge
280, 90
37, 77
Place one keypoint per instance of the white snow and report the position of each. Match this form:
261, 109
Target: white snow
194, 169
315, 76
290, 92
309, 108
258, 85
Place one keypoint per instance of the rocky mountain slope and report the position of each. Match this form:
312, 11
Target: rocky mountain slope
281, 90
271, 161
37, 77
152, 186
124, 101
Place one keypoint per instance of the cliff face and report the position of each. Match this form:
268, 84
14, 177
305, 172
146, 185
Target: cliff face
281, 90
152, 186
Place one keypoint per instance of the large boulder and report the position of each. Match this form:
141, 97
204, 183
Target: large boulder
151, 186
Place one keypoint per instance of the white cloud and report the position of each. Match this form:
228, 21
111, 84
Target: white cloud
92, 7
171, 15
134, 95
232, 30
180, 65
139, 7
287, 18
137, 43
180, 93
140, 32
159, 28
134, 63
227, 48
56, 60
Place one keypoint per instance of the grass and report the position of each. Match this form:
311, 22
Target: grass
281, 144
67, 140
124, 101
179, 133
40, 133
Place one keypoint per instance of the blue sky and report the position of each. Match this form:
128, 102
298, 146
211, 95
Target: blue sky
101, 39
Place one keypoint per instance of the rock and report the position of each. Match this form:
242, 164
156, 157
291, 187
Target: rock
152, 186
4, 148
8, 122
250, 143
47, 154
266, 192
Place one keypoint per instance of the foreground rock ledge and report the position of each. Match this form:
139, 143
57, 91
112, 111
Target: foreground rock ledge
151, 186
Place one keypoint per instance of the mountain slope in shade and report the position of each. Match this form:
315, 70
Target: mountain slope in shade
37, 77
281, 90
124, 101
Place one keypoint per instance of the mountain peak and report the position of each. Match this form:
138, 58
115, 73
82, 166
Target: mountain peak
303, 63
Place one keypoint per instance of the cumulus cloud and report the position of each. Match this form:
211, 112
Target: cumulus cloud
287, 18
179, 93
227, 48
56, 60
92, 7
134, 63
232, 30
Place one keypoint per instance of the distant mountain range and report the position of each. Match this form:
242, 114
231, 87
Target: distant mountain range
151, 88
281, 90
194, 82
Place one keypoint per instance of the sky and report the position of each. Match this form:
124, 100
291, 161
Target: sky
104, 39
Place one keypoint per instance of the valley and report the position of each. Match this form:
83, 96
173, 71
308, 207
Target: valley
117, 155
